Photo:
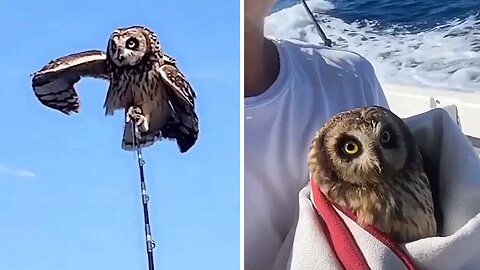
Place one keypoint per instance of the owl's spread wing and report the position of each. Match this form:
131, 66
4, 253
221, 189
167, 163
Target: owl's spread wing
53, 85
183, 125
177, 84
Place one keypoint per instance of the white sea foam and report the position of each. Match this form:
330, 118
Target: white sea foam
446, 56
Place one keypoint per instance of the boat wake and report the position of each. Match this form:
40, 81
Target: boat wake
445, 56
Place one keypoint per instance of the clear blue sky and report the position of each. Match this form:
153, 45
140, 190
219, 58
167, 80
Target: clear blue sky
69, 196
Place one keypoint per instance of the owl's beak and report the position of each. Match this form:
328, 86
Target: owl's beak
119, 55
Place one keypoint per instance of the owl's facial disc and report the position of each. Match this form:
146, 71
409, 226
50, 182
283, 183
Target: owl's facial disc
127, 49
366, 145
377, 148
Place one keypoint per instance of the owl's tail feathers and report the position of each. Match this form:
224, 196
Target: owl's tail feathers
184, 135
143, 141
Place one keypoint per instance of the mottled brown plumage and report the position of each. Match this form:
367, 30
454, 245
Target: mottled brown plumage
366, 161
144, 82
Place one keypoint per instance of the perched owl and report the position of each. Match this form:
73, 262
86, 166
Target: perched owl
144, 81
366, 161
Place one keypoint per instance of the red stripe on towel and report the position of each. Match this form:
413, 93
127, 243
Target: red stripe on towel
343, 242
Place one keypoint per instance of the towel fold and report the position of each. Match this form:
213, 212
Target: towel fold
325, 237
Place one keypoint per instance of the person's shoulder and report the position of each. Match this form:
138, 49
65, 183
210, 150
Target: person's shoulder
346, 70
318, 54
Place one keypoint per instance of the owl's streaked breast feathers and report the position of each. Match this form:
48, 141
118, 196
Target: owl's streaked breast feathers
140, 75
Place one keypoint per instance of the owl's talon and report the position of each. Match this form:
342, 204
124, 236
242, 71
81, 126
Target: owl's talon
135, 113
134, 110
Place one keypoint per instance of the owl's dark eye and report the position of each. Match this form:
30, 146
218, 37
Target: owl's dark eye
388, 139
132, 43
385, 137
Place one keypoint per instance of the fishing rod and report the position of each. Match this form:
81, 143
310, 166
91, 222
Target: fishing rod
327, 41
150, 243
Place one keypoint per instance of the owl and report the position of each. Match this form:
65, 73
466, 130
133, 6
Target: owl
144, 82
366, 161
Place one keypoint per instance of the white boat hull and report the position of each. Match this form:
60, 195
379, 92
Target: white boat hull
463, 107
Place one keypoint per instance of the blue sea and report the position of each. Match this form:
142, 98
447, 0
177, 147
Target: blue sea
432, 43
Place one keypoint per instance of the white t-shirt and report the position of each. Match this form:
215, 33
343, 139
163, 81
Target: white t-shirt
314, 83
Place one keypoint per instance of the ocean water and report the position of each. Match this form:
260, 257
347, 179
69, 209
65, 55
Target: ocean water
434, 43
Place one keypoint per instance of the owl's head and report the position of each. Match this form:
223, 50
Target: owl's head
129, 46
364, 145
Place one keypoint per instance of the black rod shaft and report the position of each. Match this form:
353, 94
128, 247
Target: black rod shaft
327, 41
148, 233
150, 244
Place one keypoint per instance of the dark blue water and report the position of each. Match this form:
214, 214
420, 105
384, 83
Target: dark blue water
433, 43
426, 13
418, 13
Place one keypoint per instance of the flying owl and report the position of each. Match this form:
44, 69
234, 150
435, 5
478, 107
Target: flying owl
367, 161
144, 81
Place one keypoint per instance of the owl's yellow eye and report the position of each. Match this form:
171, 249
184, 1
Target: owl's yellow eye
350, 148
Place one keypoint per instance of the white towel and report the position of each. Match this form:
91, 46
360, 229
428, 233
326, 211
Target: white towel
328, 238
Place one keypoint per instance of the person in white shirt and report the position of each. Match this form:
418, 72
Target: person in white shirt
291, 89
